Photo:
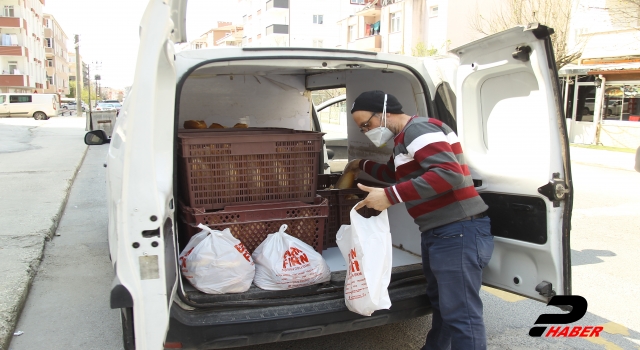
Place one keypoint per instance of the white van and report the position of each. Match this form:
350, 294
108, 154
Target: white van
518, 158
38, 106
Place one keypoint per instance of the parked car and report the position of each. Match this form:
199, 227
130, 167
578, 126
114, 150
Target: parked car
528, 189
72, 106
38, 106
104, 106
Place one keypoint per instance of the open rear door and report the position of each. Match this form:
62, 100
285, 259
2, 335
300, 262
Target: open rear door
140, 165
511, 126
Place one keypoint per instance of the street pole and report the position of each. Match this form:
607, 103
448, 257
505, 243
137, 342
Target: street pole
79, 82
89, 84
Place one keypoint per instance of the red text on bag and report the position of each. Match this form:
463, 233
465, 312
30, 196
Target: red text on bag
294, 257
184, 258
240, 247
353, 262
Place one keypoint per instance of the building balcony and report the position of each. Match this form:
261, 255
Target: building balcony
277, 5
278, 29
10, 22
370, 43
14, 80
14, 51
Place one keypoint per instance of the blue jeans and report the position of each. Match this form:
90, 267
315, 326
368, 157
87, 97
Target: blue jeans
453, 256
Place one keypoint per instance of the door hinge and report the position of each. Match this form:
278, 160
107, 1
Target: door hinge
545, 289
522, 53
556, 190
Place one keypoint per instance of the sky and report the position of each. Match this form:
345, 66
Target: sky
109, 30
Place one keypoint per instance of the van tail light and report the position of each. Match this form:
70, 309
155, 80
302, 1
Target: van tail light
173, 345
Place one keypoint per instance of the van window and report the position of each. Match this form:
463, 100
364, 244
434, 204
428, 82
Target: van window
445, 102
2, 98
19, 98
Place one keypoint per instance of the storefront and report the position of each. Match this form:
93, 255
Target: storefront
602, 103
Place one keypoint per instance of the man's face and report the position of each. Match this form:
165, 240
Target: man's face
366, 120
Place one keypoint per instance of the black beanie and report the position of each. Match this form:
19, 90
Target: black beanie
373, 101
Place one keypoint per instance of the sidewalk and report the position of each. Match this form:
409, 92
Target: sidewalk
38, 162
609, 159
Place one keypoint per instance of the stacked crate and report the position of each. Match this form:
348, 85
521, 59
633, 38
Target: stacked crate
252, 181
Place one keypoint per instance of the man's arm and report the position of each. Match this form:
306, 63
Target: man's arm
382, 172
434, 153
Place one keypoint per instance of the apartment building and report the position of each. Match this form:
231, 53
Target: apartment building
22, 56
55, 43
300, 23
398, 26
225, 34
602, 89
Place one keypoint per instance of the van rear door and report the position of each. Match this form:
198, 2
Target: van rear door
140, 182
511, 126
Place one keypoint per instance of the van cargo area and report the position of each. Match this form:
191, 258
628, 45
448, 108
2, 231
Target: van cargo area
277, 94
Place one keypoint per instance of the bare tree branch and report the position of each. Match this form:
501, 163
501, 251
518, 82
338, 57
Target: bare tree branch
552, 13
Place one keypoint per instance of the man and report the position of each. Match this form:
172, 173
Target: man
434, 182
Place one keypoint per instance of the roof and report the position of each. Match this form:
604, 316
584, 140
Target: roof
574, 69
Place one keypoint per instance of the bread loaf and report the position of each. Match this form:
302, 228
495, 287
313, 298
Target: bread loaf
241, 125
346, 180
216, 126
195, 124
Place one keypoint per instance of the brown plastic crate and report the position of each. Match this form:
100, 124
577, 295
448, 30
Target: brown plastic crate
340, 206
221, 167
333, 221
252, 223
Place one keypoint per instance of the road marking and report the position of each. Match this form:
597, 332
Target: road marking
615, 328
510, 297
601, 341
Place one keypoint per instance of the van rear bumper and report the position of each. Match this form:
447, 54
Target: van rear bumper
200, 329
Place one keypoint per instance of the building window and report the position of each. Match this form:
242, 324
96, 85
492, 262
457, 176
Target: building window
259, 36
47, 42
317, 19
49, 63
258, 13
357, 2
395, 22
47, 23
250, 39
19, 98
8, 11
317, 42
433, 11
352, 33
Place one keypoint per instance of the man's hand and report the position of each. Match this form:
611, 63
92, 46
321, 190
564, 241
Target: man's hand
376, 199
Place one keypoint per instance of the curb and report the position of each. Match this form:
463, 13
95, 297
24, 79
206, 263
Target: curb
23, 290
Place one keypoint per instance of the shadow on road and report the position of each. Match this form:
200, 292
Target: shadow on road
588, 256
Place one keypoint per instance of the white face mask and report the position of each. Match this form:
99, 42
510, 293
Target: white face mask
381, 135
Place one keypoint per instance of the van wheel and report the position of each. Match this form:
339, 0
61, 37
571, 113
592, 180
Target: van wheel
40, 116
128, 340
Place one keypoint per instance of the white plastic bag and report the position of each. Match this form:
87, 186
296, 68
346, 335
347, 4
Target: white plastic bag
285, 262
215, 262
366, 247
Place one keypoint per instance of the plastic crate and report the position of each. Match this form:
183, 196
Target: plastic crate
221, 167
252, 223
333, 221
340, 204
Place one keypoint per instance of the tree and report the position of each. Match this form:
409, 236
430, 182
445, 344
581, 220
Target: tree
552, 13
421, 50
72, 89
626, 13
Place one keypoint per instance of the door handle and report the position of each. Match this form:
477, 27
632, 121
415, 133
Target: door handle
522, 207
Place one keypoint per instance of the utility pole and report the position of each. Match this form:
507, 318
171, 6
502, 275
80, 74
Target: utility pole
79, 82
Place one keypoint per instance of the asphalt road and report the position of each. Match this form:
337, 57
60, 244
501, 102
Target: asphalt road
68, 304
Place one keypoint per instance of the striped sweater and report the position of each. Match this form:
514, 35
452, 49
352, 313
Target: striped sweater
430, 173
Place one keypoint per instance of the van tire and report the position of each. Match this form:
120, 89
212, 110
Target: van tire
40, 116
128, 339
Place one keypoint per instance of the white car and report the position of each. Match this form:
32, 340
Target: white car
508, 118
